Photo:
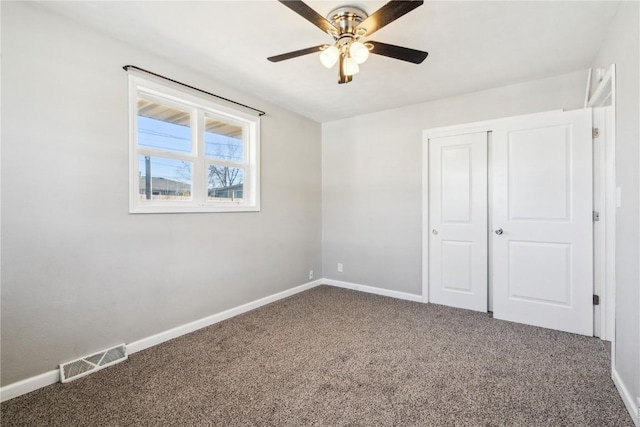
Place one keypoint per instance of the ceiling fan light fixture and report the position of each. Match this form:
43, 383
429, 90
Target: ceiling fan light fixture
329, 56
347, 26
358, 52
350, 66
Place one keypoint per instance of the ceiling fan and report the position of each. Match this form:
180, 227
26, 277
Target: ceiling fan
348, 26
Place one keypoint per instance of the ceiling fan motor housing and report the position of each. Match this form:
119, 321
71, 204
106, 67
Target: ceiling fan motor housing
346, 19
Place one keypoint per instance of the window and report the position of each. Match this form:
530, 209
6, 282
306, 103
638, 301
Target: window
189, 154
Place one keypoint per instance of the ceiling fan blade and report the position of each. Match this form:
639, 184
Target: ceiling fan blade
387, 14
399, 52
310, 15
296, 53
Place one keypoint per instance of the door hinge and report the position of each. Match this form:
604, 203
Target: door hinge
596, 216
596, 300
595, 133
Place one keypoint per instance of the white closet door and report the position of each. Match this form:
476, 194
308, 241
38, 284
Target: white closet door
542, 221
458, 221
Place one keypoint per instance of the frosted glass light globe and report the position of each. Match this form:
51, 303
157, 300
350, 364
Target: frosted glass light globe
329, 56
350, 67
358, 52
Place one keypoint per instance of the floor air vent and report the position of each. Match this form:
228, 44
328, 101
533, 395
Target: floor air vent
86, 365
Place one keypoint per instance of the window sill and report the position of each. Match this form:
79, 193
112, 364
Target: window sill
193, 209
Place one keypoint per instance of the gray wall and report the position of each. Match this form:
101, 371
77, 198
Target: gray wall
78, 272
622, 48
372, 177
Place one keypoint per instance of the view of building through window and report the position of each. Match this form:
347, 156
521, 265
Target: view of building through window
170, 178
188, 154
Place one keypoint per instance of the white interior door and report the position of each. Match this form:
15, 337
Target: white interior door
458, 221
542, 221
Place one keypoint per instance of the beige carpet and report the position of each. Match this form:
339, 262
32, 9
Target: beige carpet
332, 357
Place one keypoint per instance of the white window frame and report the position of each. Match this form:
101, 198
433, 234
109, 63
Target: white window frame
199, 106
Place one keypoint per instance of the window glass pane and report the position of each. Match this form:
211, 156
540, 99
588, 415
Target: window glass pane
225, 183
223, 140
164, 179
163, 127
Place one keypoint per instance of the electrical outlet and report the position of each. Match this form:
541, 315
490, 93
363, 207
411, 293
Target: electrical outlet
310, 274
339, 267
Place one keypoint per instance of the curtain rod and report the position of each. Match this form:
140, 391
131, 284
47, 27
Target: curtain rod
126, 68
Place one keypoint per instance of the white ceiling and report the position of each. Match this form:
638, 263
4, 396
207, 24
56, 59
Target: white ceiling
472, 45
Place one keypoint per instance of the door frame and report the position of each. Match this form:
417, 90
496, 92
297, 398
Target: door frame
604, 95
606, 263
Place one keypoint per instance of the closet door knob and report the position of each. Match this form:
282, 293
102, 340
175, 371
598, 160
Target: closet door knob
499, 231
434, 231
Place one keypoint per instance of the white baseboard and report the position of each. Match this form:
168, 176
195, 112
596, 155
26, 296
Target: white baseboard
28, 385
170, 334
627, 398
48, 378
373, 290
